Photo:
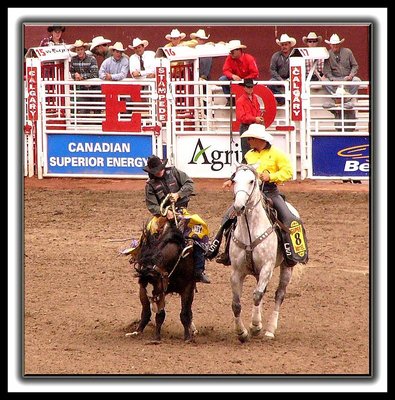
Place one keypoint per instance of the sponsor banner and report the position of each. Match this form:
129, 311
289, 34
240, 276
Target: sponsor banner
50, 52
98, 154
346, 156
212, 156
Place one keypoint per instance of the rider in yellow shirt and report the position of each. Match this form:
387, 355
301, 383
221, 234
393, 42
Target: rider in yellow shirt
273, 167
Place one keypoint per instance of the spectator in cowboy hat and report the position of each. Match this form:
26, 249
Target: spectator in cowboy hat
205, 63
116, 67
238, 66
56, 36
99, 47
83, 66
176, 37
248, 111
340, 66
142, 63
312, 40
279, 65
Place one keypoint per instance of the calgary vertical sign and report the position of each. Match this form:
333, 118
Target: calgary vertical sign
32, 97
296, 91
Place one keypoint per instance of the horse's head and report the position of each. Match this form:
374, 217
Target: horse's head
246, 188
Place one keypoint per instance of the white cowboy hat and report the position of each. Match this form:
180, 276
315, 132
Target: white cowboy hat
235, 44
97, 41
117, 46
334, 39
201, 34
175, 33
285, 38
311, 36
137, 41
79, 43
258, 131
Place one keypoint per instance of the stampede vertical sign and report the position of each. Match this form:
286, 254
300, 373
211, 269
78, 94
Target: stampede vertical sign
32, 98
161, 85
296, 91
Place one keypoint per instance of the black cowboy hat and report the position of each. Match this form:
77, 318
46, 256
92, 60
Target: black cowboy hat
154, 165
248, 83
55, 27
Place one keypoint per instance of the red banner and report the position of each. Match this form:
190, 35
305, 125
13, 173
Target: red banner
161, 84
32, 98
296, 91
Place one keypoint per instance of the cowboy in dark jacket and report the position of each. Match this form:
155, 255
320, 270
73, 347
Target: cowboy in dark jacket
162, 181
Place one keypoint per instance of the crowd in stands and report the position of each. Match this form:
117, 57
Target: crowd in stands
239, 65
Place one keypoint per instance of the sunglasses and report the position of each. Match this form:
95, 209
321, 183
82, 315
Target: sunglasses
312, 41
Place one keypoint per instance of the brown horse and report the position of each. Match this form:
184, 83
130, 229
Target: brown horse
165, 265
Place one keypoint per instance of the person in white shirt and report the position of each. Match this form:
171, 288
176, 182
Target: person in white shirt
142, 62
115, 68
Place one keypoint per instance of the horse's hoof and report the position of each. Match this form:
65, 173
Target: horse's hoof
135, 333
243, 337
255, 330
269, 335
193, 329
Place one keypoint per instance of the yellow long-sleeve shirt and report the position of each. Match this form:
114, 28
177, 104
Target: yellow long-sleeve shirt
273, 160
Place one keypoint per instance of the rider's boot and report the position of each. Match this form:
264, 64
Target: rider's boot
216, 243
199, 260
224, 258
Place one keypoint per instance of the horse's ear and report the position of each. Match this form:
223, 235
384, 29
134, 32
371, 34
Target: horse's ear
255, 166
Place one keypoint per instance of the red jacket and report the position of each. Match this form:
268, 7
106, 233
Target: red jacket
247, 110
245, 67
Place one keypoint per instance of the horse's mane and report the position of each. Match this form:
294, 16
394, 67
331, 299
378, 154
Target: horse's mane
153, 244
251, 167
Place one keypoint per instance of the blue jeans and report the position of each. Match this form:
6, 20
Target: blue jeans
226, 89
198, 258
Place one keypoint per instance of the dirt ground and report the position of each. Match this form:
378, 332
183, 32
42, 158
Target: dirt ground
81, 296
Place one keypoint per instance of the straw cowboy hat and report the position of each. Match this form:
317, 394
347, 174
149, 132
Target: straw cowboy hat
258, 131
312, 36
154, 165
201, 34
97, 41
248, 82
137, 41
117, 46
79, 43
235, 44
175, 33
334, 39
55, 28
285, 38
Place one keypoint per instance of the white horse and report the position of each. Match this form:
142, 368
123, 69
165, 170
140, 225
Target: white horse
254, 251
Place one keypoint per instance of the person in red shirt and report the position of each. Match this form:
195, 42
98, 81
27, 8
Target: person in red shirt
248, 111
238, 66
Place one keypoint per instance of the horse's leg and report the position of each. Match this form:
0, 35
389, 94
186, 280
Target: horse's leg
186, 314
285, 277
236, 282
263, 279
159, 319
256, 316
145, 312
